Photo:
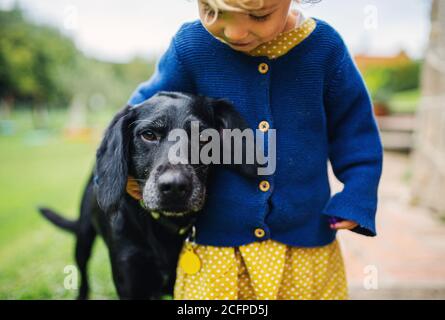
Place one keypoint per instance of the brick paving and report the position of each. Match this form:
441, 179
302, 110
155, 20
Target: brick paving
409, 252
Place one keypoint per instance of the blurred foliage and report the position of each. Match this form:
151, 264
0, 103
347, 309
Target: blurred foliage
42, 74
405, 101
41, 66
394, 87
384, 81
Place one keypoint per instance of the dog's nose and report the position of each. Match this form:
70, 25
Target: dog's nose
174, 184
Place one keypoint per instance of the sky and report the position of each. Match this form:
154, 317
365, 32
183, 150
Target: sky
118, 30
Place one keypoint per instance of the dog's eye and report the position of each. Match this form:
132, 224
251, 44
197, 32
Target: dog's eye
149, 136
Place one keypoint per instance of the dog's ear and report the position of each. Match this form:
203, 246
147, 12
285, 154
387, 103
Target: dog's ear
227, 117
112, 159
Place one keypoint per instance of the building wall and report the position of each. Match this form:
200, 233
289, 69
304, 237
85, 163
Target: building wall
428, 183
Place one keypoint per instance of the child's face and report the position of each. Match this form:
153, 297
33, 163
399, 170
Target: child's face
244, 31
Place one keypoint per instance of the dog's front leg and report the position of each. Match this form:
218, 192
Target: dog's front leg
135, 273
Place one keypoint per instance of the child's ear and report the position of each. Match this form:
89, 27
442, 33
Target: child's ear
226, 117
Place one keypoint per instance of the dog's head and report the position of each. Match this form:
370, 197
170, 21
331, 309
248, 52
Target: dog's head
136, 143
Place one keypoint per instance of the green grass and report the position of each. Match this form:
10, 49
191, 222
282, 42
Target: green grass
41, 167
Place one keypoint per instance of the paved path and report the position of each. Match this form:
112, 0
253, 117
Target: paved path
408, 255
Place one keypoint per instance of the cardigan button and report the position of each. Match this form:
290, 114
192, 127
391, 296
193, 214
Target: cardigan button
264, 186
260, 233
264, 126
263, 68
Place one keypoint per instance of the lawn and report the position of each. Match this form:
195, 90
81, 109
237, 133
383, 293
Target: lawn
405, 102
43, 167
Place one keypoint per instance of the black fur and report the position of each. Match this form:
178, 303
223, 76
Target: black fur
143, 252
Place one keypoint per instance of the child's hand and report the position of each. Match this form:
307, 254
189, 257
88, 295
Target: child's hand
344, 225
133, 188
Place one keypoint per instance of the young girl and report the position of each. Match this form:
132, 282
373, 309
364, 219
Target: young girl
274, 238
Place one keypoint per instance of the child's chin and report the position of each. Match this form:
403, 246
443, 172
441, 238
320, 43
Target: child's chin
243, 49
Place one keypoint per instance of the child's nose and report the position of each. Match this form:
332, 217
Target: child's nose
234, 33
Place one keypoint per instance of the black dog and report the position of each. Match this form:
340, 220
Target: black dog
144, 239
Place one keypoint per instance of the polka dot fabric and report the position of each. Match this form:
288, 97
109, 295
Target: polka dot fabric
265, 270
285, 41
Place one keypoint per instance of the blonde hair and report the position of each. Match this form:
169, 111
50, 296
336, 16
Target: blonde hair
243, 5
222, 5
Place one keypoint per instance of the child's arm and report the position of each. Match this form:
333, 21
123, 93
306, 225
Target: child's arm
355, 149
170, 75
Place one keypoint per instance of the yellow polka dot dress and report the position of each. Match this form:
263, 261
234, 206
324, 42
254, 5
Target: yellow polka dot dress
266, 270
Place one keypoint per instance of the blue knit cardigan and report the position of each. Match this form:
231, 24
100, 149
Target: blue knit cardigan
316, 99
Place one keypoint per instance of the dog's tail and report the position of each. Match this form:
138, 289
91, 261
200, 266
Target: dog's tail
58, 220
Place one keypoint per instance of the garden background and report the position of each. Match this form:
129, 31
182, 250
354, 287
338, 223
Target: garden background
57, 93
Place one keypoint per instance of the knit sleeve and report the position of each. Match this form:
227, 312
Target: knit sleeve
355, 149
170, 75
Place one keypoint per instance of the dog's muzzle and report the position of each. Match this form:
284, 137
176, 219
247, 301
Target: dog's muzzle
174, 191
